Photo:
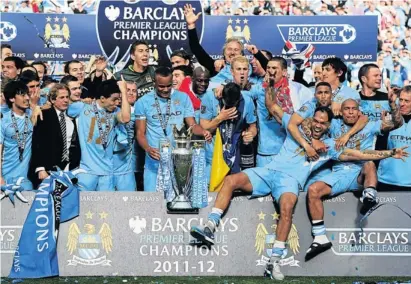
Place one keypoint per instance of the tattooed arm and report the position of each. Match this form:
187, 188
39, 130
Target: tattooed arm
373, 155
295, 121
395, 121
270, 102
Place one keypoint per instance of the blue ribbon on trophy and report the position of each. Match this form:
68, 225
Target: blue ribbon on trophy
14, 189
199, 191
165, 175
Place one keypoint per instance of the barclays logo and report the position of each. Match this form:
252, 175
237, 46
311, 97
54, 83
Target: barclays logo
8, 31
112, 13
318, 34
160, 23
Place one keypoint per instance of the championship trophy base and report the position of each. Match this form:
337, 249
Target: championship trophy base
181, 205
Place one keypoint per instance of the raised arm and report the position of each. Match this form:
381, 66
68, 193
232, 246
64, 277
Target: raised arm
270, 102
202, 56
395, 121
258, 55
124, 115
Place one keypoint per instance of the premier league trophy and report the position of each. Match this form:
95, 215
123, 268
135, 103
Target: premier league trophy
182, 188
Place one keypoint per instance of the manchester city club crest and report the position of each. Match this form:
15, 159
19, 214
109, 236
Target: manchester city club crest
160, 23
90, 245
57, 32
239, 29
264, 241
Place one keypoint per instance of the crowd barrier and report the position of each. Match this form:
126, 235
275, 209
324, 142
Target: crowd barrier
146, 241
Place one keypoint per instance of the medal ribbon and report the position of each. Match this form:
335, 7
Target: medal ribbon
103, 133
160, 115
21, 141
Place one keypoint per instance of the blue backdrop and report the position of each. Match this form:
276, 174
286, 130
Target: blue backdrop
64, 37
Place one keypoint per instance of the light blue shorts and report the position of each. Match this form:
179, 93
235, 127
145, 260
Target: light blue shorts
317, 175
89, 182
266, 181
342, 180
263, 160
125, 182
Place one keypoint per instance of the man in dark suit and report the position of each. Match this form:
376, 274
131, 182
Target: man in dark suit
55, 139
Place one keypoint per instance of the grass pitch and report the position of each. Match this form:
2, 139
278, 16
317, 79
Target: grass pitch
211, 280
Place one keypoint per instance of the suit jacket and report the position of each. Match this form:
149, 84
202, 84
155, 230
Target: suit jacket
47, 146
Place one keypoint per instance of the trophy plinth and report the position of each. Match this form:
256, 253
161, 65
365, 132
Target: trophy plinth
182, 165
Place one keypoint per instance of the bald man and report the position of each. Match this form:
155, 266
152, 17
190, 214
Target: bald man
199, 85
348, 176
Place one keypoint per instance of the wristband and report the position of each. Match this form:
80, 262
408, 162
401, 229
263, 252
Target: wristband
393, 152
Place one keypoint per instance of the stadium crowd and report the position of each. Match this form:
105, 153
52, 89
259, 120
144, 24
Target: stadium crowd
394, 39
111, 124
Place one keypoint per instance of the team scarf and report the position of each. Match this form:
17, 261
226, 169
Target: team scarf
14, 189
283, 95
56, 201
185, 88
230, 135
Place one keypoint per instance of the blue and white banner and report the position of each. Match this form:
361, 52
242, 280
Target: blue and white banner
50, 37
118, 24
353, 38
56, 201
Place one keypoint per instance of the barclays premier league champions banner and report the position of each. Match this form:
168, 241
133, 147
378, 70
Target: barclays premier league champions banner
118, 24
160, 23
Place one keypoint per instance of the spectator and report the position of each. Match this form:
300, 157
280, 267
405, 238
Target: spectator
372, 11
79, 9
90, 7
398, 75
24, 7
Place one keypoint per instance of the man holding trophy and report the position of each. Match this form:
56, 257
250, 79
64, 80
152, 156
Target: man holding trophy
160, 118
